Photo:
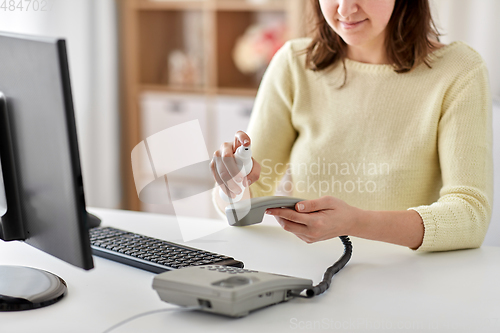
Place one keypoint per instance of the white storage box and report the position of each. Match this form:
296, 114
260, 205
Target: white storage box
196, 202
160, 111
232, 115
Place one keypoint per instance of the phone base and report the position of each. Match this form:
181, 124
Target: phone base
229, 291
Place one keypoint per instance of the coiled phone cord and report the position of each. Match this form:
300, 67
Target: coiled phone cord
331, 271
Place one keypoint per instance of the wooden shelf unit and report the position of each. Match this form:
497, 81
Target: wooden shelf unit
151, 29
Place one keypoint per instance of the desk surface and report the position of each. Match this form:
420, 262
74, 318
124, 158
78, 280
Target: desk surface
383, 288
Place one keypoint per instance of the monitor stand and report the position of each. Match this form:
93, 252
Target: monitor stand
25, 288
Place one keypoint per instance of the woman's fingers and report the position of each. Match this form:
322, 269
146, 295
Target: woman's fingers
225, 169
291, 226
288, 214
226, 151
223, 176
218, 179
254, 174
308, 206
241, 139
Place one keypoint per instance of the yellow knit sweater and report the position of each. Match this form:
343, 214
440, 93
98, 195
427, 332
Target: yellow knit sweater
384, 141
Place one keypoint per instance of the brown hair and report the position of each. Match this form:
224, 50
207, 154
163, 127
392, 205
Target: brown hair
409, 38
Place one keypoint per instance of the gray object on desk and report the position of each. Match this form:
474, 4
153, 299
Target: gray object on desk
229, 291
251, 211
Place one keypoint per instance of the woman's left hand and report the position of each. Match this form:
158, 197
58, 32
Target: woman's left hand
318, 219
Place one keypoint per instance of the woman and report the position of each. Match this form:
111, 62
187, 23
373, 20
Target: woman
385, 131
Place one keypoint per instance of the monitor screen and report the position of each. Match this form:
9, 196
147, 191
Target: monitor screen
43, 195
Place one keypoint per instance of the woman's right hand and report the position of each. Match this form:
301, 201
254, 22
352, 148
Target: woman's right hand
225, 170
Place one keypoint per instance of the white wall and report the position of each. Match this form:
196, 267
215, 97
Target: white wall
476, 23
89, 27
493, 235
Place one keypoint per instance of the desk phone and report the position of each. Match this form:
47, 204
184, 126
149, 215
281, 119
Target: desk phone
226, 290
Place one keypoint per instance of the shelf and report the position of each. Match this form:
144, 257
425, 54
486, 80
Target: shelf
171, 4
230, 26
232, 5
246, 92
185, 47
160, 34
222, 5
171, 89
237, 92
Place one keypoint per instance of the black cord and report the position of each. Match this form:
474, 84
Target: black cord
331, 271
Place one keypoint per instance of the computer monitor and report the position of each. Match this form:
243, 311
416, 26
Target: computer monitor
42, 199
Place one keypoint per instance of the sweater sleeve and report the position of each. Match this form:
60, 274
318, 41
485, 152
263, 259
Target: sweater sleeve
460, 217
271, 129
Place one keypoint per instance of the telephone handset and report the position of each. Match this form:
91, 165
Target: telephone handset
251, 211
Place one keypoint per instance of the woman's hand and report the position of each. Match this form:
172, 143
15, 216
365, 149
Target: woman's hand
318, 219
224, 169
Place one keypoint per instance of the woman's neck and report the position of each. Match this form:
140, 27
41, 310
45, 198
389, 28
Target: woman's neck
375, 54
370, 52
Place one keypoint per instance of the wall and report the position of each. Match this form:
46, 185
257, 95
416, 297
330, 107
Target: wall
476, 23
493, 236
89, 27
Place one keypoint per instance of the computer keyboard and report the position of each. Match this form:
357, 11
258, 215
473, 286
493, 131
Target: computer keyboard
149, 253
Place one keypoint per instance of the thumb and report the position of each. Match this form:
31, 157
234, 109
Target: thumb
314, 205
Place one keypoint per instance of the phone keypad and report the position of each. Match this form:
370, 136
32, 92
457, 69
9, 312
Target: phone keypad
227, 269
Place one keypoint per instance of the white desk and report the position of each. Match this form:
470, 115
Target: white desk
383, 288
